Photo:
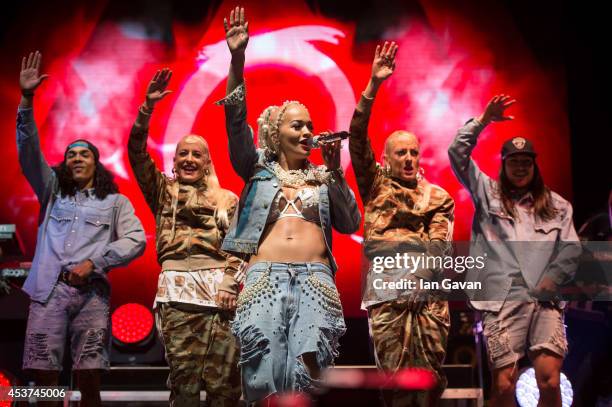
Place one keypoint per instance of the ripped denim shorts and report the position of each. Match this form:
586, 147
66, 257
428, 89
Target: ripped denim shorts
286, 310
521, 327
80, 314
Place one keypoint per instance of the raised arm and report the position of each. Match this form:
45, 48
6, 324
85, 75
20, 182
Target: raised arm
33, 164
362, 155
149, 177
460, 151
243, 153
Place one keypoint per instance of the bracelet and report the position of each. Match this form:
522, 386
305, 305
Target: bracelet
27, 92
366, 97
145, 110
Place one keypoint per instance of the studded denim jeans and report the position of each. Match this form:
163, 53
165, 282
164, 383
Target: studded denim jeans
286, 310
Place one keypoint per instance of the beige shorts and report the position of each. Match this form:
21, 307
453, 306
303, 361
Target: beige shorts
520, 326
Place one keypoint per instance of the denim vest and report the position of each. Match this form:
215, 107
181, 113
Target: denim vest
337, 204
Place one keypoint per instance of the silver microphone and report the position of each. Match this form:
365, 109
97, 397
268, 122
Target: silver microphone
320, 139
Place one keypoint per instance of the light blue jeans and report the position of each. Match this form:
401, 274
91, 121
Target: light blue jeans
286, 310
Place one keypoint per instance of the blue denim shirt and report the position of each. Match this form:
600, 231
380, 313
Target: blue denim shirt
526, 247
76, 228
337, 204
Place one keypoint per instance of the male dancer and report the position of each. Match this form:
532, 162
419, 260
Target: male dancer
86, 228
403, 212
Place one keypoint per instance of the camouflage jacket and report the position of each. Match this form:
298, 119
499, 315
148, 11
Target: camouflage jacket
397, 215
191, 239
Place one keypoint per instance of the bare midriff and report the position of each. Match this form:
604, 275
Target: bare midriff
292, 240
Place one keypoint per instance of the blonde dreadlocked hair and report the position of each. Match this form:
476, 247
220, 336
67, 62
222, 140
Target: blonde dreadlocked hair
265, 128
268, 132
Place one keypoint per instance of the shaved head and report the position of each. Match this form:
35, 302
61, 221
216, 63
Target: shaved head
192, 139
402, 155
398, 135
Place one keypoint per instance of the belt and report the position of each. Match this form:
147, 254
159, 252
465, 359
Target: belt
63, 277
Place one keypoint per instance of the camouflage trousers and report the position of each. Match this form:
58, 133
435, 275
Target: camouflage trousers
202, 354
403, 338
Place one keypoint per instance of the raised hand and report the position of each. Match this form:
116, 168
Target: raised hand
494, 112
29, 77
156, 90
236, 31
384, 61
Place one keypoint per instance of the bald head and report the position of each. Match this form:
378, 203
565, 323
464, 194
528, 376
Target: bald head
402, 155
401, 136
193, 139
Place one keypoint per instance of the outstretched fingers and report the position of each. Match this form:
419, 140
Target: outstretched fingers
394, 51
383, 52
30, 59
165, 76
37, 59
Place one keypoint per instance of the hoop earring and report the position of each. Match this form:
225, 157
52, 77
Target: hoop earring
420, 174
207, 172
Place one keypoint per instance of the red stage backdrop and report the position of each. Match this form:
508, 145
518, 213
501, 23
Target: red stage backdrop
451, 61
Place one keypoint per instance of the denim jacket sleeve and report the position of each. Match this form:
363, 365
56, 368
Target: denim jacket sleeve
150, 179
129, 240
464, 167
33, 164
563, 265
345, 215
242, 150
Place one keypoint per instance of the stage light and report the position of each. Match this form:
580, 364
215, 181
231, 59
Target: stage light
134, 341
365, 378
132, 323
527, 392
5, 382
415, 379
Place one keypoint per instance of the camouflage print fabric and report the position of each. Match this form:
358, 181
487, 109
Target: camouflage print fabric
188, 232
403, 338
202, 354
395, 210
